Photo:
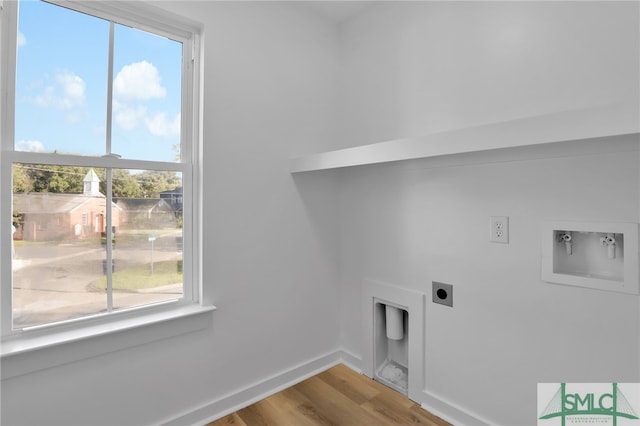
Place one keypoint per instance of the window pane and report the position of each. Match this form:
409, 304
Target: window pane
147, 95
61, 241
148, 241
61, 80
59, 219
76, 252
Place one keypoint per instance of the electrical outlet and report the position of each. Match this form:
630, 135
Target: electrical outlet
499, 228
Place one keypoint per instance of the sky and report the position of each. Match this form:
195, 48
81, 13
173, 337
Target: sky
61, 86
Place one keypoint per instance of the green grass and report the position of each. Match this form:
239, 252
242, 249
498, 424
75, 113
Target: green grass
140, 277
22, 243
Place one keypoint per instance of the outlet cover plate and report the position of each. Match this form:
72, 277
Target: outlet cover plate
499, 229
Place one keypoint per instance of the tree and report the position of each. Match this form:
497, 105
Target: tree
176, 148
153, 182
21, 180
124, 184
59, 179
70, 180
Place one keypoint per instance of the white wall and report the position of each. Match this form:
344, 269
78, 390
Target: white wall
508, 330
269, 90
416, 67
412, 68
271, 241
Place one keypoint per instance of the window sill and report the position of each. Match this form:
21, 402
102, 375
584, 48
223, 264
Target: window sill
28, 352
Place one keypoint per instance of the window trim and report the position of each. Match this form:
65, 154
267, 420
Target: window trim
160, 22
47, 347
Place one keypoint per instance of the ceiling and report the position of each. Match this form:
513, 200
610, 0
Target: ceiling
336, 11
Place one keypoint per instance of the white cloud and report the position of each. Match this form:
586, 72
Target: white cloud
72, 89
30, 146
159, 125
48, 98
128, 117
138, 81
22, 40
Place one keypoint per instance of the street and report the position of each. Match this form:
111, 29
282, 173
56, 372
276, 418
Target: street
53, 281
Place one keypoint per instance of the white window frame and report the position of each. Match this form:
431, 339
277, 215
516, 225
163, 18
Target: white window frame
157, 21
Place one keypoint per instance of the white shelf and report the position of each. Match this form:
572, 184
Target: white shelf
588, 123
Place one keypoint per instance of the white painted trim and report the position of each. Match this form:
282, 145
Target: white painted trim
8, 45
235, 401
157, 21
352, 361
88, 161
436, 405
596, 122
41, 350
451, 412
137, 14
259, 390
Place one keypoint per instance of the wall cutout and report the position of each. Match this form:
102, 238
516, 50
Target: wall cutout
595, 255
391, 358
391, 345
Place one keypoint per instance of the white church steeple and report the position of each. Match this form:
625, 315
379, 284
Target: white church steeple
91, 183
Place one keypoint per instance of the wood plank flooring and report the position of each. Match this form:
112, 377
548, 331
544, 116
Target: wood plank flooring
338, 396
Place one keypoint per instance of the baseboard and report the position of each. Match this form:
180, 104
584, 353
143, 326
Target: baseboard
352, 361
230, 403
233, 402
433, 404
450, 412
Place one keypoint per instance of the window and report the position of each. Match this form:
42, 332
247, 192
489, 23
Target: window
100, 116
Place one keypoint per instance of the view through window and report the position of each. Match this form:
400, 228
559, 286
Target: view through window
92, 235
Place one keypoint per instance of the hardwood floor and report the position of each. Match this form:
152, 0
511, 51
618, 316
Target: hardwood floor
338, 396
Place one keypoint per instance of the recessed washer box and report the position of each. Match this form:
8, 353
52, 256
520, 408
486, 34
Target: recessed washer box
598, 255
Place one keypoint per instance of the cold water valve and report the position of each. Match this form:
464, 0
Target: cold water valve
565, 237
609, 241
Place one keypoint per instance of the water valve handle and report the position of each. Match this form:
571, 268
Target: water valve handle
609, 241
566, 238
